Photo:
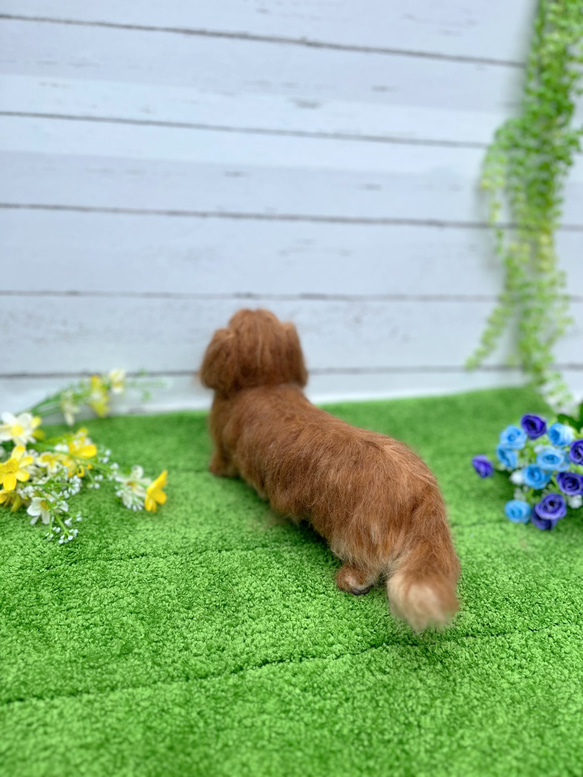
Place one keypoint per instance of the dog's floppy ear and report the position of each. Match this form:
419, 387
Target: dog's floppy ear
219, 363
295, 358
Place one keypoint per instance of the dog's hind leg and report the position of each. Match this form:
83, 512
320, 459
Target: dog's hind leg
354, 580
221, 465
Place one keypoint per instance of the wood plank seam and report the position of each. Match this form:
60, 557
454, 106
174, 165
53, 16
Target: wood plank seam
275, 39
324, 219
314, 297
342, 136
397, 369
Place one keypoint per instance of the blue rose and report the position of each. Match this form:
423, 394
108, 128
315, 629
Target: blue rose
513, 437
570, 483
548, 511
534, 477
552, 459
576, 452
534, 426
483, 466
559, 434
517, 511
507, 457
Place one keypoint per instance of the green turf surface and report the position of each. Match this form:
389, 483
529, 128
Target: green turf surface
209, 638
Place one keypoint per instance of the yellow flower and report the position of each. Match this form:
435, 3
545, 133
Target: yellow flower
98, 398
19, 429
15, 468
82, 446
79, 447
154, 493
51, 461
12, 499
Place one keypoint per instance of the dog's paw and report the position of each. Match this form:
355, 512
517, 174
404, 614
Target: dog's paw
354, 581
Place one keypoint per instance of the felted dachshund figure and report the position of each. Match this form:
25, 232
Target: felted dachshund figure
374, 500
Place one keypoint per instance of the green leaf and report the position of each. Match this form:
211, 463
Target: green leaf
563, 418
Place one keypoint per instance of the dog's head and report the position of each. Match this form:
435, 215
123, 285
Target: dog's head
256, 349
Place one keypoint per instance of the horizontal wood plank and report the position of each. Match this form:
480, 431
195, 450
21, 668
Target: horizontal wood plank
104, 165
99, 72
72, 334
185, 391
68, 251
455, 28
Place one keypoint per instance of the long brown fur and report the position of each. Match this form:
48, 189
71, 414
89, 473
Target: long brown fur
371, 497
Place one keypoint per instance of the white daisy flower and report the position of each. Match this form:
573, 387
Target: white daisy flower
132, 491
69, 408
19, 429
40, 508
117, 380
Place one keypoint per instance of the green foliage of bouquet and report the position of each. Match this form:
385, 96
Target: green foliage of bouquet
42, 475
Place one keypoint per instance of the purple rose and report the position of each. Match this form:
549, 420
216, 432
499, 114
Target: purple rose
548, 511
533, 425
570, 483
576, 452
483, 466
542, 523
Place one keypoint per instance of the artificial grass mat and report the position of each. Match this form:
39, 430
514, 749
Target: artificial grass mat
209, 638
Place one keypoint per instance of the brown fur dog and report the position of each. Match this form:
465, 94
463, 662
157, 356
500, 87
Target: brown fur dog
371, 497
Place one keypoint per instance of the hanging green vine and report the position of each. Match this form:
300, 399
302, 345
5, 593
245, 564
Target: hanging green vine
524, 174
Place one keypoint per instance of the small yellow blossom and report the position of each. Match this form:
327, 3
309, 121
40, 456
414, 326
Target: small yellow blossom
98, 398
15, 468
82, 446
11, 499
154, 493
79, 447
19, 429
52, 462
117, 381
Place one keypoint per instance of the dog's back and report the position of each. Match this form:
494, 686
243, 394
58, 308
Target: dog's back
370, 496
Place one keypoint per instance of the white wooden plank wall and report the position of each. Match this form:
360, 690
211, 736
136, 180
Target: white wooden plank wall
167, 162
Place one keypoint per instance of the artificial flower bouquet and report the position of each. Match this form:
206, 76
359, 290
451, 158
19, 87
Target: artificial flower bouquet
41, 475
545, 463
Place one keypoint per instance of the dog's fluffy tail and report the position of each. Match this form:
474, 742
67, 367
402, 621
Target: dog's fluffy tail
422, 588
